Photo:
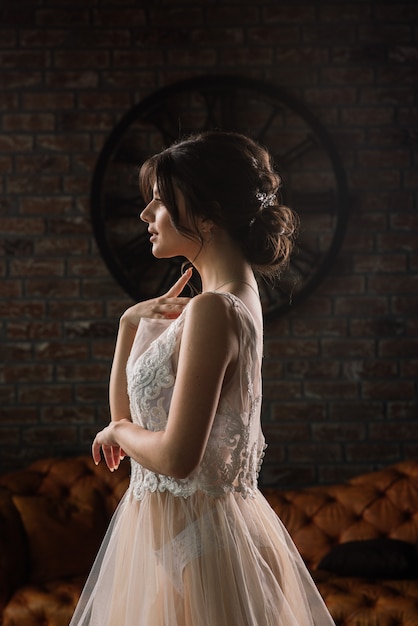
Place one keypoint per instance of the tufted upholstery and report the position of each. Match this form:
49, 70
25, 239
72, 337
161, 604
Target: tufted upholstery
53, 516
378, 504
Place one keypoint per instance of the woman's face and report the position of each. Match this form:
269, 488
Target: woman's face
166, 240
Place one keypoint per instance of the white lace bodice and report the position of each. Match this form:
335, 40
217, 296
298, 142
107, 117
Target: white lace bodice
235, 448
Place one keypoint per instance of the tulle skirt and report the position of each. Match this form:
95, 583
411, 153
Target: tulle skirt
198, 561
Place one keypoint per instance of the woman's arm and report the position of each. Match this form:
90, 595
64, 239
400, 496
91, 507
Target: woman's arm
118, 394
166, 307
209, 349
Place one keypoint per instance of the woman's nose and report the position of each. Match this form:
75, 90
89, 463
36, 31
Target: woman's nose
144, 214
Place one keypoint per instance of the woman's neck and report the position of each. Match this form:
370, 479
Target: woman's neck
223, 266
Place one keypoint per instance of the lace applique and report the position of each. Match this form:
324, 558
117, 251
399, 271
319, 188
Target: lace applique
143, 480
235, 448
147, 378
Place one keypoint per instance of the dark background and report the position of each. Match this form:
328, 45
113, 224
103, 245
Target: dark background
340, 370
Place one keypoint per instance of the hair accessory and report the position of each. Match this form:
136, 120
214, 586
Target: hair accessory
266, 199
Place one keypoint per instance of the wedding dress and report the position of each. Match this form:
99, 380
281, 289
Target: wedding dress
207, 550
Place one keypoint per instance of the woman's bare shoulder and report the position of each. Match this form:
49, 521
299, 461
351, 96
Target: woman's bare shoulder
211, 307
210, 318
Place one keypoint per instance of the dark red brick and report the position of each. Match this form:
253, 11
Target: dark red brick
342, 431
45, 394
384, 283
82, 372
64, 142
316, 326
28, 373
361, 410
281, 390
290, 13
108, 100
387, 95
68, 414
343, 364
331, 95
48, 101
286, 476
70, 59
62, 247
382, 33
347, 12
59, 351
336, 474
20, 80
403, 410
43, 37
389, 390
103, 350
270, 34
18, 415
53, 288
398, 347
284, 432
349, 347
33, 330
291, 348
399, 431
369, 368
366, 305
34, 184
330, 389
90, 394
71, 79
298, 410
31, 164
63, 17
57, 434
312, 453
313, 369
383, 263
35, 122
373, 452
121, 18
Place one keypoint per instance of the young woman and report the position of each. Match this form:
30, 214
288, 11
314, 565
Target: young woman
193, 542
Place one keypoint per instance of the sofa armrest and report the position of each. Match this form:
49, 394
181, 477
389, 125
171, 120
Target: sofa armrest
13, 547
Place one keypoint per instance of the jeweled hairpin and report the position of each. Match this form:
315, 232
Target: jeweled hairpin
266, 199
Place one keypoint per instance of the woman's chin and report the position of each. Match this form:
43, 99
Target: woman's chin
160, 254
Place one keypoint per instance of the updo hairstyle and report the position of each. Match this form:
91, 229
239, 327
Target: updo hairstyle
230, 180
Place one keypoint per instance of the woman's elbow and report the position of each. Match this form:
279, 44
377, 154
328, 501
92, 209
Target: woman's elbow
182, 466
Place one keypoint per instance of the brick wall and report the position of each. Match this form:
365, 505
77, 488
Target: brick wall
340, 370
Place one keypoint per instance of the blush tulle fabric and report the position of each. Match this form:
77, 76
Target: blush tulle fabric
207, 550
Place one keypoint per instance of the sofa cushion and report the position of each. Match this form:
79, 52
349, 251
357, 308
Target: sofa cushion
382, 558
63, 534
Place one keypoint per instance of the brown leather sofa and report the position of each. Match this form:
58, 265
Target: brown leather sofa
53, 516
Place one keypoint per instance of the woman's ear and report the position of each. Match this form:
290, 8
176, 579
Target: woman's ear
205, 226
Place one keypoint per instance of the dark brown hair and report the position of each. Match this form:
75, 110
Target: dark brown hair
222, 177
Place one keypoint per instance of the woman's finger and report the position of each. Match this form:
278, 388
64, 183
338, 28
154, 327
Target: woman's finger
172, 308
95, 451
178, 286
108, 456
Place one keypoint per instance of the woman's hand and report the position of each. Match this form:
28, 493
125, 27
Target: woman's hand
168, 306
105, 440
